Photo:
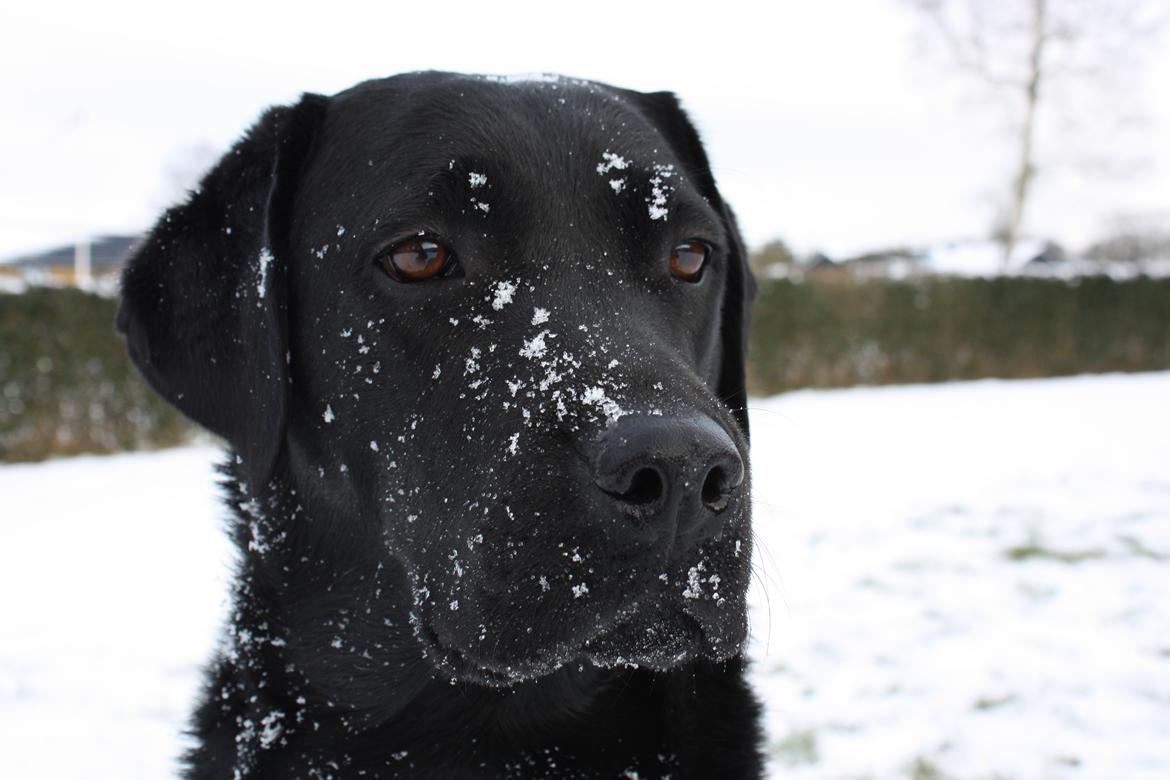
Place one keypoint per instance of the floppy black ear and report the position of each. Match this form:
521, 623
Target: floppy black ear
203, 297
665, 113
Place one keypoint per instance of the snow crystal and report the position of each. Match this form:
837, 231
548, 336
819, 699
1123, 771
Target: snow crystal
271, 728
610, 161
477, 179
539, 316
503, 295
340, 230
617, 184
694, 587
262, 282
374, 446
580, 590
513, 443
327, 416
471, 364
659, 190
551, 377
595, 396
535, 347
524, 78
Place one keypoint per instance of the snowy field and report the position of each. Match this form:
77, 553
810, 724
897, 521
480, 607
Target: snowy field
960, 581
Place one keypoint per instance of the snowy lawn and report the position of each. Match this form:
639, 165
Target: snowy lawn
958, 581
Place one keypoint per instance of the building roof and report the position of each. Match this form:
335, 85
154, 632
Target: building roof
107, 254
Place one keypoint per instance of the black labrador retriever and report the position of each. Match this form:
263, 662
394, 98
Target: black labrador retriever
477, 347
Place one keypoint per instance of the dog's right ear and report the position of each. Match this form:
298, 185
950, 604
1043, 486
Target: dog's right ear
203, 297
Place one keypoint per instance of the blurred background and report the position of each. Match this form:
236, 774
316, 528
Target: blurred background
959, 215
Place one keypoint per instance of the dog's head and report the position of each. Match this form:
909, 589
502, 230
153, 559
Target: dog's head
479, 342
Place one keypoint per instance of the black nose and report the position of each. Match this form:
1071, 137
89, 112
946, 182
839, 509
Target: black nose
674, 475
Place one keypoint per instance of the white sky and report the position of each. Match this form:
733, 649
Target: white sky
826, 125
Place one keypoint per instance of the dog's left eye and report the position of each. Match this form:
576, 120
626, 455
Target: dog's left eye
687, 260
414, 260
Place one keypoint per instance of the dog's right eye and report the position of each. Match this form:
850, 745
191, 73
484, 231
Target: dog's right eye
687, 260
414, 260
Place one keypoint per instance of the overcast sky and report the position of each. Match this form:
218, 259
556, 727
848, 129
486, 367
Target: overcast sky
827, 125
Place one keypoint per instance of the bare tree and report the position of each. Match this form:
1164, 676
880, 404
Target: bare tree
1023, 48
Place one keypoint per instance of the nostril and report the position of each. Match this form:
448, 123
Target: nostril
716, 489
645, 488
683, 473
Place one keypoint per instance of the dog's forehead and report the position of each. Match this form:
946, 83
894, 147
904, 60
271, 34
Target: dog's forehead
420, 132
434, 115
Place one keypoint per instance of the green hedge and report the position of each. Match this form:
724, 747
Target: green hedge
839, 334
66, 385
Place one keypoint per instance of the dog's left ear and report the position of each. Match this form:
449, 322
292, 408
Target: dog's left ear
665, 113
203, 297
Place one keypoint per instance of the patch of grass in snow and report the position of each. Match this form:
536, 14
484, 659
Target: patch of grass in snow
1036, 551
925, 769
1135, 546
798, 748
984, 703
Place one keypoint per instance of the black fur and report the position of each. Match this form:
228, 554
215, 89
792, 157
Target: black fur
448, 568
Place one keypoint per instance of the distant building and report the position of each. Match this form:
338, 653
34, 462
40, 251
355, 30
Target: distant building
821, 267
888, 264
975, 258
95, 264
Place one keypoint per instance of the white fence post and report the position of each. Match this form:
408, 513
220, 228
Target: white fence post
82, 265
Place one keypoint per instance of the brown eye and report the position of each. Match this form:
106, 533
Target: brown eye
687, 260
415, 259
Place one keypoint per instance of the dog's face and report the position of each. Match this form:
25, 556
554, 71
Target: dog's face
505, 325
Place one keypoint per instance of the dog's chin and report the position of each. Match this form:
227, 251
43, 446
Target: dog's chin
662, 642
462, 666
659, 642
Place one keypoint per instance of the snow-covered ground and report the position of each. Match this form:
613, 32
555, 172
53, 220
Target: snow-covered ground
957, 581
966, 581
